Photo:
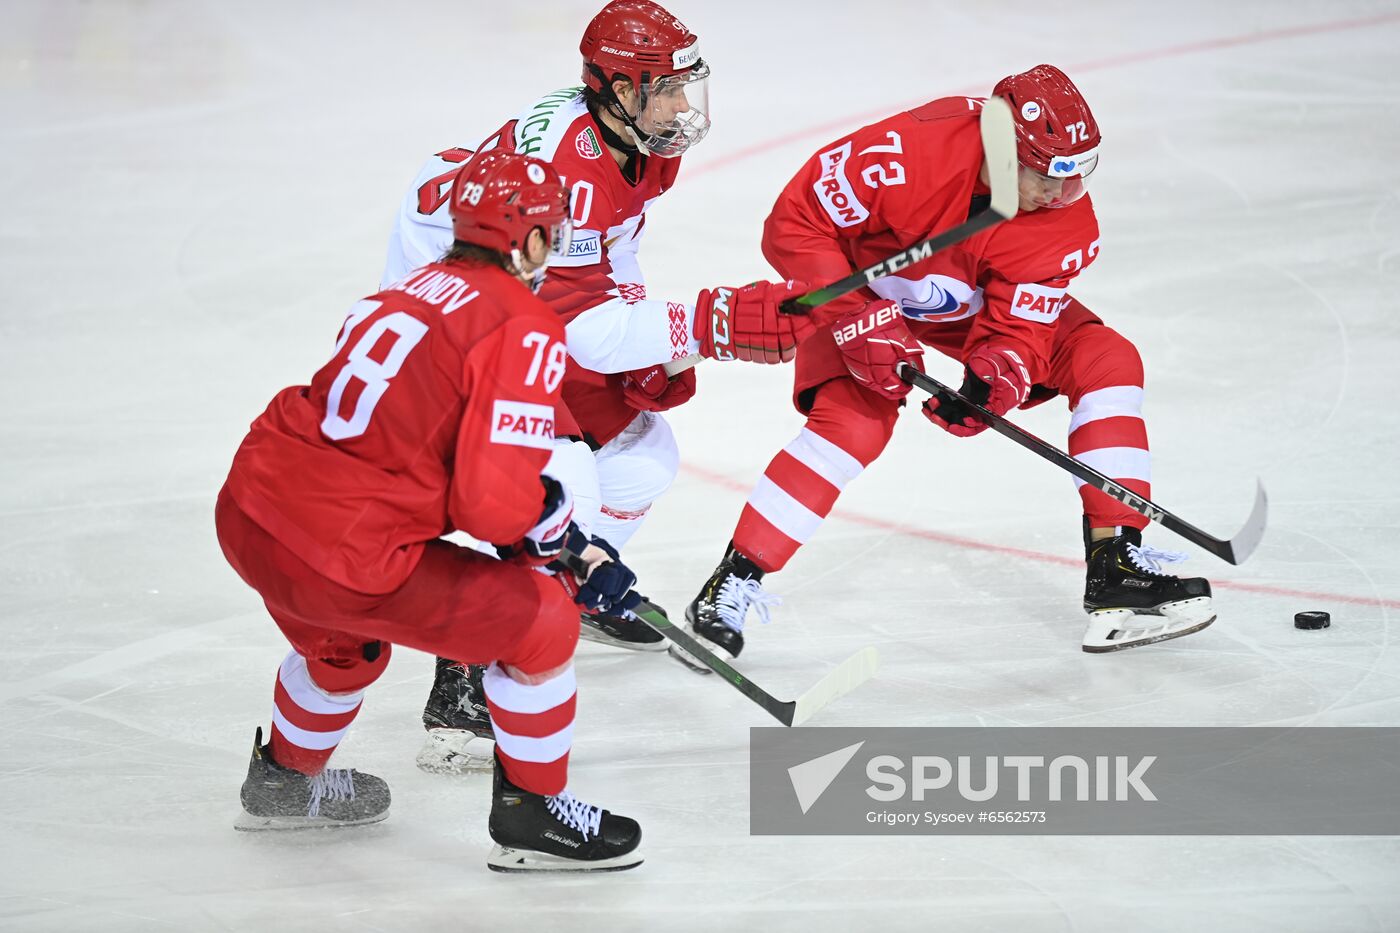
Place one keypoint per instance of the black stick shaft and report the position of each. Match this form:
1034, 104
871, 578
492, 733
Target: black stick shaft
1231, 551
654, 617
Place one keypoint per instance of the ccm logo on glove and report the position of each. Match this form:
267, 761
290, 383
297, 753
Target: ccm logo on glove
719, 322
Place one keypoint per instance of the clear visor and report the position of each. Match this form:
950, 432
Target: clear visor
675, 112
1039, 190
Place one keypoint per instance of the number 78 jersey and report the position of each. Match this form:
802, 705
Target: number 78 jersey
436, 412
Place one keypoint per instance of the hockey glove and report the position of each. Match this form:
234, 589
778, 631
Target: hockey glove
874, 340
543, 543
745, 323
651, 389
608, 587
995, 378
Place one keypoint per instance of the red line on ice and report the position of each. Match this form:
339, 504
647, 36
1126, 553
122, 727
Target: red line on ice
1131, 58
913, 531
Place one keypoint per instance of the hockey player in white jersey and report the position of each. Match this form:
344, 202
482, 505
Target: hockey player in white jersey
618, 142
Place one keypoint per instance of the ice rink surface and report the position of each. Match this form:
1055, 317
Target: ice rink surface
195, 192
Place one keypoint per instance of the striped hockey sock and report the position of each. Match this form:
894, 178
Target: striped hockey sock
308, 722
534, 725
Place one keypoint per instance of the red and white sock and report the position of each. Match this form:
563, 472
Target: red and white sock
1107, 432
534, 725
793, 498
307, 721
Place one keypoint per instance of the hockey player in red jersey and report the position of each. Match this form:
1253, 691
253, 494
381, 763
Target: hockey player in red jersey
998, 302
618, 141
436, 412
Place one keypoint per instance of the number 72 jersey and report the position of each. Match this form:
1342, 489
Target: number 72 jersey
890, 185
436, 412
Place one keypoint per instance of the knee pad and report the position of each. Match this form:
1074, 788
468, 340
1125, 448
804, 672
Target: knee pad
639, 465
350, 674
857, 421
553, 633
1105, 359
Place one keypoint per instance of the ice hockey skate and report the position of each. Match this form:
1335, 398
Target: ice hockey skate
538, 833
275, 797
717, 614
623, 630
460, 739
1132, 602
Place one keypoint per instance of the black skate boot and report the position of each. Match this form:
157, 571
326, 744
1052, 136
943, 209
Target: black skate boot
1132, 602
717, 614
275, 797
460, 738
624, 630
537, 833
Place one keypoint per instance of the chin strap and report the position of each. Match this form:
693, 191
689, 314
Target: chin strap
631, 147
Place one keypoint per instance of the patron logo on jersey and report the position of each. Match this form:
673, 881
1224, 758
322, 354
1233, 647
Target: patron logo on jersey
586, 142
522, 424
1037, 303
834, 191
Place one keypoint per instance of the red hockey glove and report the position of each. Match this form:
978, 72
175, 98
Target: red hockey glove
651, 389
995, 378
543, 543
874, 340
745, 323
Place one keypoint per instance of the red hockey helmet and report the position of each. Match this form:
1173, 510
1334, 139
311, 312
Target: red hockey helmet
1055, 133
642, 42
499, 196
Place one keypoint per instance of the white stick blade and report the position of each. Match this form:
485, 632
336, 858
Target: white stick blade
1243, 544
682, 364
851, 673
999, 148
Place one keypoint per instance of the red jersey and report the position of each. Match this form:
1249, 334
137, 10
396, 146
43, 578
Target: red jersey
435, 413
894, 183
598, 290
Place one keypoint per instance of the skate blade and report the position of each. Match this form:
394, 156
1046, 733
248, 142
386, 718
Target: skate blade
456, 751
600, 637
1117, 629
689, 660
248, 823
521, 861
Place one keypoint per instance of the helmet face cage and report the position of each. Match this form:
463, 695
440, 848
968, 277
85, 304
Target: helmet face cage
640, 41
673, 112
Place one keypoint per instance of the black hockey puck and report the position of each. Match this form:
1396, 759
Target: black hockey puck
1312, 620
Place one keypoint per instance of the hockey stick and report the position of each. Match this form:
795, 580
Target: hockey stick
999, 149
851, 673
1233, 550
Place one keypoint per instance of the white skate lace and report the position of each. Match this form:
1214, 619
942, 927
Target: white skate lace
575, 814
330, 784
735, 598
1150, 559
